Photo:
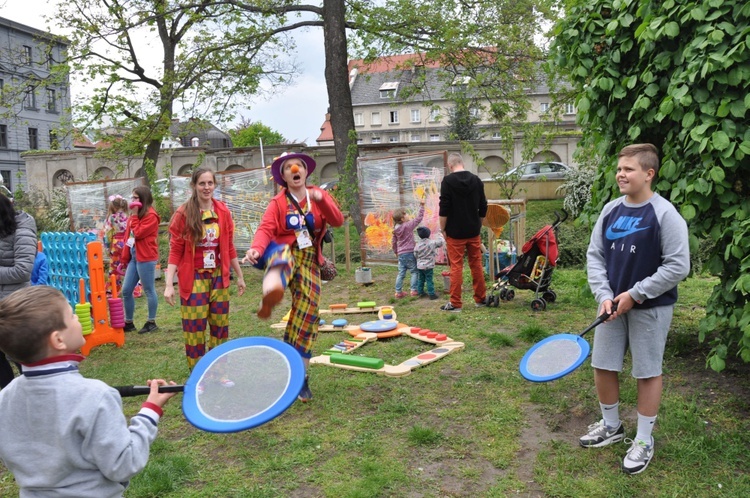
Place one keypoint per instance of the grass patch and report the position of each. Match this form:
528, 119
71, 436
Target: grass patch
466, 425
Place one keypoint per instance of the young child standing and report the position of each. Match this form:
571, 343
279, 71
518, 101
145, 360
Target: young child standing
114, 236
403, 247
54, 416
426, 251
637, 255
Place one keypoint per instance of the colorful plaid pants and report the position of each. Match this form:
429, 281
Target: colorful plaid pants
208, 305
303, 280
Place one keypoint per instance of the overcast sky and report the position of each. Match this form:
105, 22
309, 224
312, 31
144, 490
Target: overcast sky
297, 112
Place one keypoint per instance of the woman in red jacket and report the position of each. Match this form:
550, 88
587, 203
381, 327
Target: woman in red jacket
287, 245
140, 253
201, 251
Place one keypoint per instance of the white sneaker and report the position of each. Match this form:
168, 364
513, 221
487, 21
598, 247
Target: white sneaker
600, 435
639, 456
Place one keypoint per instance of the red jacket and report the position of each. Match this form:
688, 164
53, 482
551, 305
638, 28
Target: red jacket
273, 225
182, 251
146, 231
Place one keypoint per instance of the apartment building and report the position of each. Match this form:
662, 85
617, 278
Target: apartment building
34, 97
387, 112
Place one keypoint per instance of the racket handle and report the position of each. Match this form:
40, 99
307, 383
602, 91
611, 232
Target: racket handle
600, 319
126, 391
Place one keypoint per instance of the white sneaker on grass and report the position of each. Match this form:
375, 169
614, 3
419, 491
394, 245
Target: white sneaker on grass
600, 435
638, 457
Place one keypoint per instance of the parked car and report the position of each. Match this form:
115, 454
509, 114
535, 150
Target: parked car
547, 170
329, 185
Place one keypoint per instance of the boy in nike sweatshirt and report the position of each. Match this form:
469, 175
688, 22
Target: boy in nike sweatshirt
65, 435
637, 255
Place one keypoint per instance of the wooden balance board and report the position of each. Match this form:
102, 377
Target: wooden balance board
361, 307
340, 355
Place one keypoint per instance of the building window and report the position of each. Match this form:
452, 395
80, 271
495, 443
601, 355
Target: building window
33, 139
434, 137
544, 107
359, 119
375, 119
195, 142
435, 115
360, 141
3, 136
54, 143
570, 109
29, 98
393, 139
474, 112
496, 135
26, 55
51, 100
416, 116
5, 177
393, 117
376, 140
388, 89
415, 137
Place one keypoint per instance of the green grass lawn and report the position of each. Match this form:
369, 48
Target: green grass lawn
466, 425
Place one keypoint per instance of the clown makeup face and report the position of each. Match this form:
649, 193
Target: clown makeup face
294, 173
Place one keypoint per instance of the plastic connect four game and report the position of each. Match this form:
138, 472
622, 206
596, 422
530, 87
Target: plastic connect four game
66, 256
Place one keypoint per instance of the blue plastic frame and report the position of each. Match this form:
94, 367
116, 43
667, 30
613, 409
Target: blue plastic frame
296, 378
582, 343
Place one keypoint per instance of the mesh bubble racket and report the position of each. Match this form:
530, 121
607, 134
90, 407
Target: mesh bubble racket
558, 355
238, 385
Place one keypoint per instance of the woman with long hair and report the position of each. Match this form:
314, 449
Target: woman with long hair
201, 252
17, 253
140, 253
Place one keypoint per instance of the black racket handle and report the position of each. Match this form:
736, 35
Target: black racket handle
599, 320
126, 391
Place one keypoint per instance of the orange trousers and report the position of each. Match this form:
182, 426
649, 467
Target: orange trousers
473, 249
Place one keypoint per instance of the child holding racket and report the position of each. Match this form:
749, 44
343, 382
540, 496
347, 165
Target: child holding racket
64, 433
287, 245
637, 255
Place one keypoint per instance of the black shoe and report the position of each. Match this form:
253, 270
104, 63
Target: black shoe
149, 327
305, 394
129, 327
433, 297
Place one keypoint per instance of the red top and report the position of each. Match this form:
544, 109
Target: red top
145, 230
182, 250
273, 225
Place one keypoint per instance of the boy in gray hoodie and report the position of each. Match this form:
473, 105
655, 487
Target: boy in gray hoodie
637, 255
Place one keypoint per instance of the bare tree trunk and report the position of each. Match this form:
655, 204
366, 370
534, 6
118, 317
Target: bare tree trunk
340, 97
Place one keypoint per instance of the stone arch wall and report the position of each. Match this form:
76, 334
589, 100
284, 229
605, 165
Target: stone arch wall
104, 173
492, 165
329, 172
61, 177
546, 156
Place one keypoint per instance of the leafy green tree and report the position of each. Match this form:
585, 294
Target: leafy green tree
249, 134
675, 73
462, 124
217, 51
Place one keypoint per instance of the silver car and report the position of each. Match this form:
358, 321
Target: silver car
540, 170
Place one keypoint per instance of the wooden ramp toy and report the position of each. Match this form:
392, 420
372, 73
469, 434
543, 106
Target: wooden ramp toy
338, 325
361, 307
340, 356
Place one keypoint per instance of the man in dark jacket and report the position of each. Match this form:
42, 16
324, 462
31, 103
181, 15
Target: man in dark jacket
463, 206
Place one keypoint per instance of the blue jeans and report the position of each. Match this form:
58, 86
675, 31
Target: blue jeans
424, 279
145, 273
406, 261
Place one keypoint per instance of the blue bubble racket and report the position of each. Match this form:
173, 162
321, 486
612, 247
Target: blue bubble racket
558, 355
238, 385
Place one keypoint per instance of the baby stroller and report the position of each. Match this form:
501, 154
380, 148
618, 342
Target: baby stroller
533, 271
